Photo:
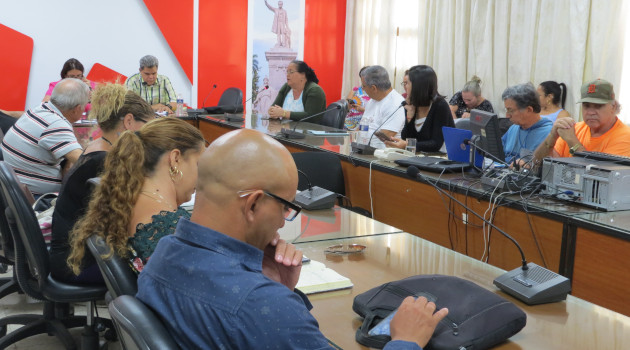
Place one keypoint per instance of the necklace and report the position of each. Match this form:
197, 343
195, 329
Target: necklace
157, 197
106, 140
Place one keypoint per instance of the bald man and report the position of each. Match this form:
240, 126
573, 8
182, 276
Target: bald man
225, 280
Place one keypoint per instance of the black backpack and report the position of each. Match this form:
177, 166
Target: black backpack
477, 318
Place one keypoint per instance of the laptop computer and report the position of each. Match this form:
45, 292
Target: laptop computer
456, 149
458, 154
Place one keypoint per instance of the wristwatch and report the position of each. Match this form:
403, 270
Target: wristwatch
575, 147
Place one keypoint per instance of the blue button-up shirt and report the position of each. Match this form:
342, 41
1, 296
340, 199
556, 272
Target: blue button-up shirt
210, 291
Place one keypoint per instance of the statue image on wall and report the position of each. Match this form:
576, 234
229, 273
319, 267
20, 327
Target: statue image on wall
265, 98
280, 25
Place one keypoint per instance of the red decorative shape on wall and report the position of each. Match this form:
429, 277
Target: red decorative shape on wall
324, 38
222, 48
99, 73
175, 20
15, 67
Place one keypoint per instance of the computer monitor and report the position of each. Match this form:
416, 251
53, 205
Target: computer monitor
487, 134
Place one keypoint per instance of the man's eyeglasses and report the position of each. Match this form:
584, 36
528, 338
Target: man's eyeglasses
511, 111
291, 210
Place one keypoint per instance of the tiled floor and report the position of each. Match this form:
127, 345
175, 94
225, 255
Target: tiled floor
21, 304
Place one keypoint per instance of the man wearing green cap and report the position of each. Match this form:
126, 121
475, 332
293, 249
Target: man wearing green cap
601, 130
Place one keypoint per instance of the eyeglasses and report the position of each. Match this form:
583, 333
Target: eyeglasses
510, 110
291, 72
404, 83
291, 210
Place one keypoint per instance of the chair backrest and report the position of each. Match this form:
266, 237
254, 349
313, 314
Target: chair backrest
31, 254
137, 326
232, 98
117, 273
323, 170
462, 123
336, 117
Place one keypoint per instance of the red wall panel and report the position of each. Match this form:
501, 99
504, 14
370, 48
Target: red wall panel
175, 20
15, 67
222, 48
324, 38
99, 73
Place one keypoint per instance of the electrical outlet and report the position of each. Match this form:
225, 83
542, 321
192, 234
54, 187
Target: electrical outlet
465, 218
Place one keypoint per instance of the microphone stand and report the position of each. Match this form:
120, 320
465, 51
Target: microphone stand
292, 134
232, 117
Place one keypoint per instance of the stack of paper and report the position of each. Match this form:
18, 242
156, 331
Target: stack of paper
316, 277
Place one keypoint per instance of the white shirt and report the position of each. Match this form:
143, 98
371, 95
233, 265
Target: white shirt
377, 113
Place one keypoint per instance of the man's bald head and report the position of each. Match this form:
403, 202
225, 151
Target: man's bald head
245, 159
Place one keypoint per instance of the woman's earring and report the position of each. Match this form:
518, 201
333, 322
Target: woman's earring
174, 172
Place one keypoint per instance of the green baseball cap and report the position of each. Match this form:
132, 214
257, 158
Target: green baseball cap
597, 91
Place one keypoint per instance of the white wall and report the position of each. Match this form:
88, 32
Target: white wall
114, 33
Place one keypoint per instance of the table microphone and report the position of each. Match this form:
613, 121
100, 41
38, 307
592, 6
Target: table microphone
367, 149
529, 283
315, 198
204, 100
240, 119
292, 134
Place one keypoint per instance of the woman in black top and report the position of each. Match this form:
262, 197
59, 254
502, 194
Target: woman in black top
116, 109
427, 113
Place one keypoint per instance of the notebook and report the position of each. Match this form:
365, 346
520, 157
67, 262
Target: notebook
315, 277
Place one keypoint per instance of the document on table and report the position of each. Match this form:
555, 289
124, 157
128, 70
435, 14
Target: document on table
316, 277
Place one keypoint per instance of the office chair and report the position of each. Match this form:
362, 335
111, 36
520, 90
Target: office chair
32, 271
8, 285
336, 118
137, 326
231, 101
118, 275
462, 123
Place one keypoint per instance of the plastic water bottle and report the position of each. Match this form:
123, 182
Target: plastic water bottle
179, 112
364, 127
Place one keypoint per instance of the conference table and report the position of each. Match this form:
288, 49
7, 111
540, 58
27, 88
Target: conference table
392, 255
584, 244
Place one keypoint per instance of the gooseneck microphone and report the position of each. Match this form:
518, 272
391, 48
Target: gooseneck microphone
367, 149
208, 95
314, 198
245, 103
529, 283
292, 134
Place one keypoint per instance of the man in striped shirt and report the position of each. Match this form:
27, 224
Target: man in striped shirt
154, 88
43, 138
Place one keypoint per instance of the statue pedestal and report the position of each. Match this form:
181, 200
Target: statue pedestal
279, 58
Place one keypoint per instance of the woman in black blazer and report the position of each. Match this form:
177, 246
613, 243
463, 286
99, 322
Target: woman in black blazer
427, 111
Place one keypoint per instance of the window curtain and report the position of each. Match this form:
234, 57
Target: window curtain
503, 42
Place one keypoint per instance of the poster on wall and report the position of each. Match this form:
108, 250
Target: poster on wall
275, 38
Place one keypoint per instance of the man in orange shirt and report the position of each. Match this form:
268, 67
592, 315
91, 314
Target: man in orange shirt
601, 130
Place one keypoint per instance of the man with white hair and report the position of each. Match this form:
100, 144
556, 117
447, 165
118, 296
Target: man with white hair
43, 137
601, 130
154, 88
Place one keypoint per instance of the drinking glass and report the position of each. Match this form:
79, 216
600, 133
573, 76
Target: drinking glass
411, 145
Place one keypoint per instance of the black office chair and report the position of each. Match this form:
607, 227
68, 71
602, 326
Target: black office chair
231, 101
118, 275
32, 271
8, 285
138, 327
334, 117
462, 123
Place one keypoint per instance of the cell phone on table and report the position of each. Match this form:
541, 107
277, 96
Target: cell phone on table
382, 136
382, 328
